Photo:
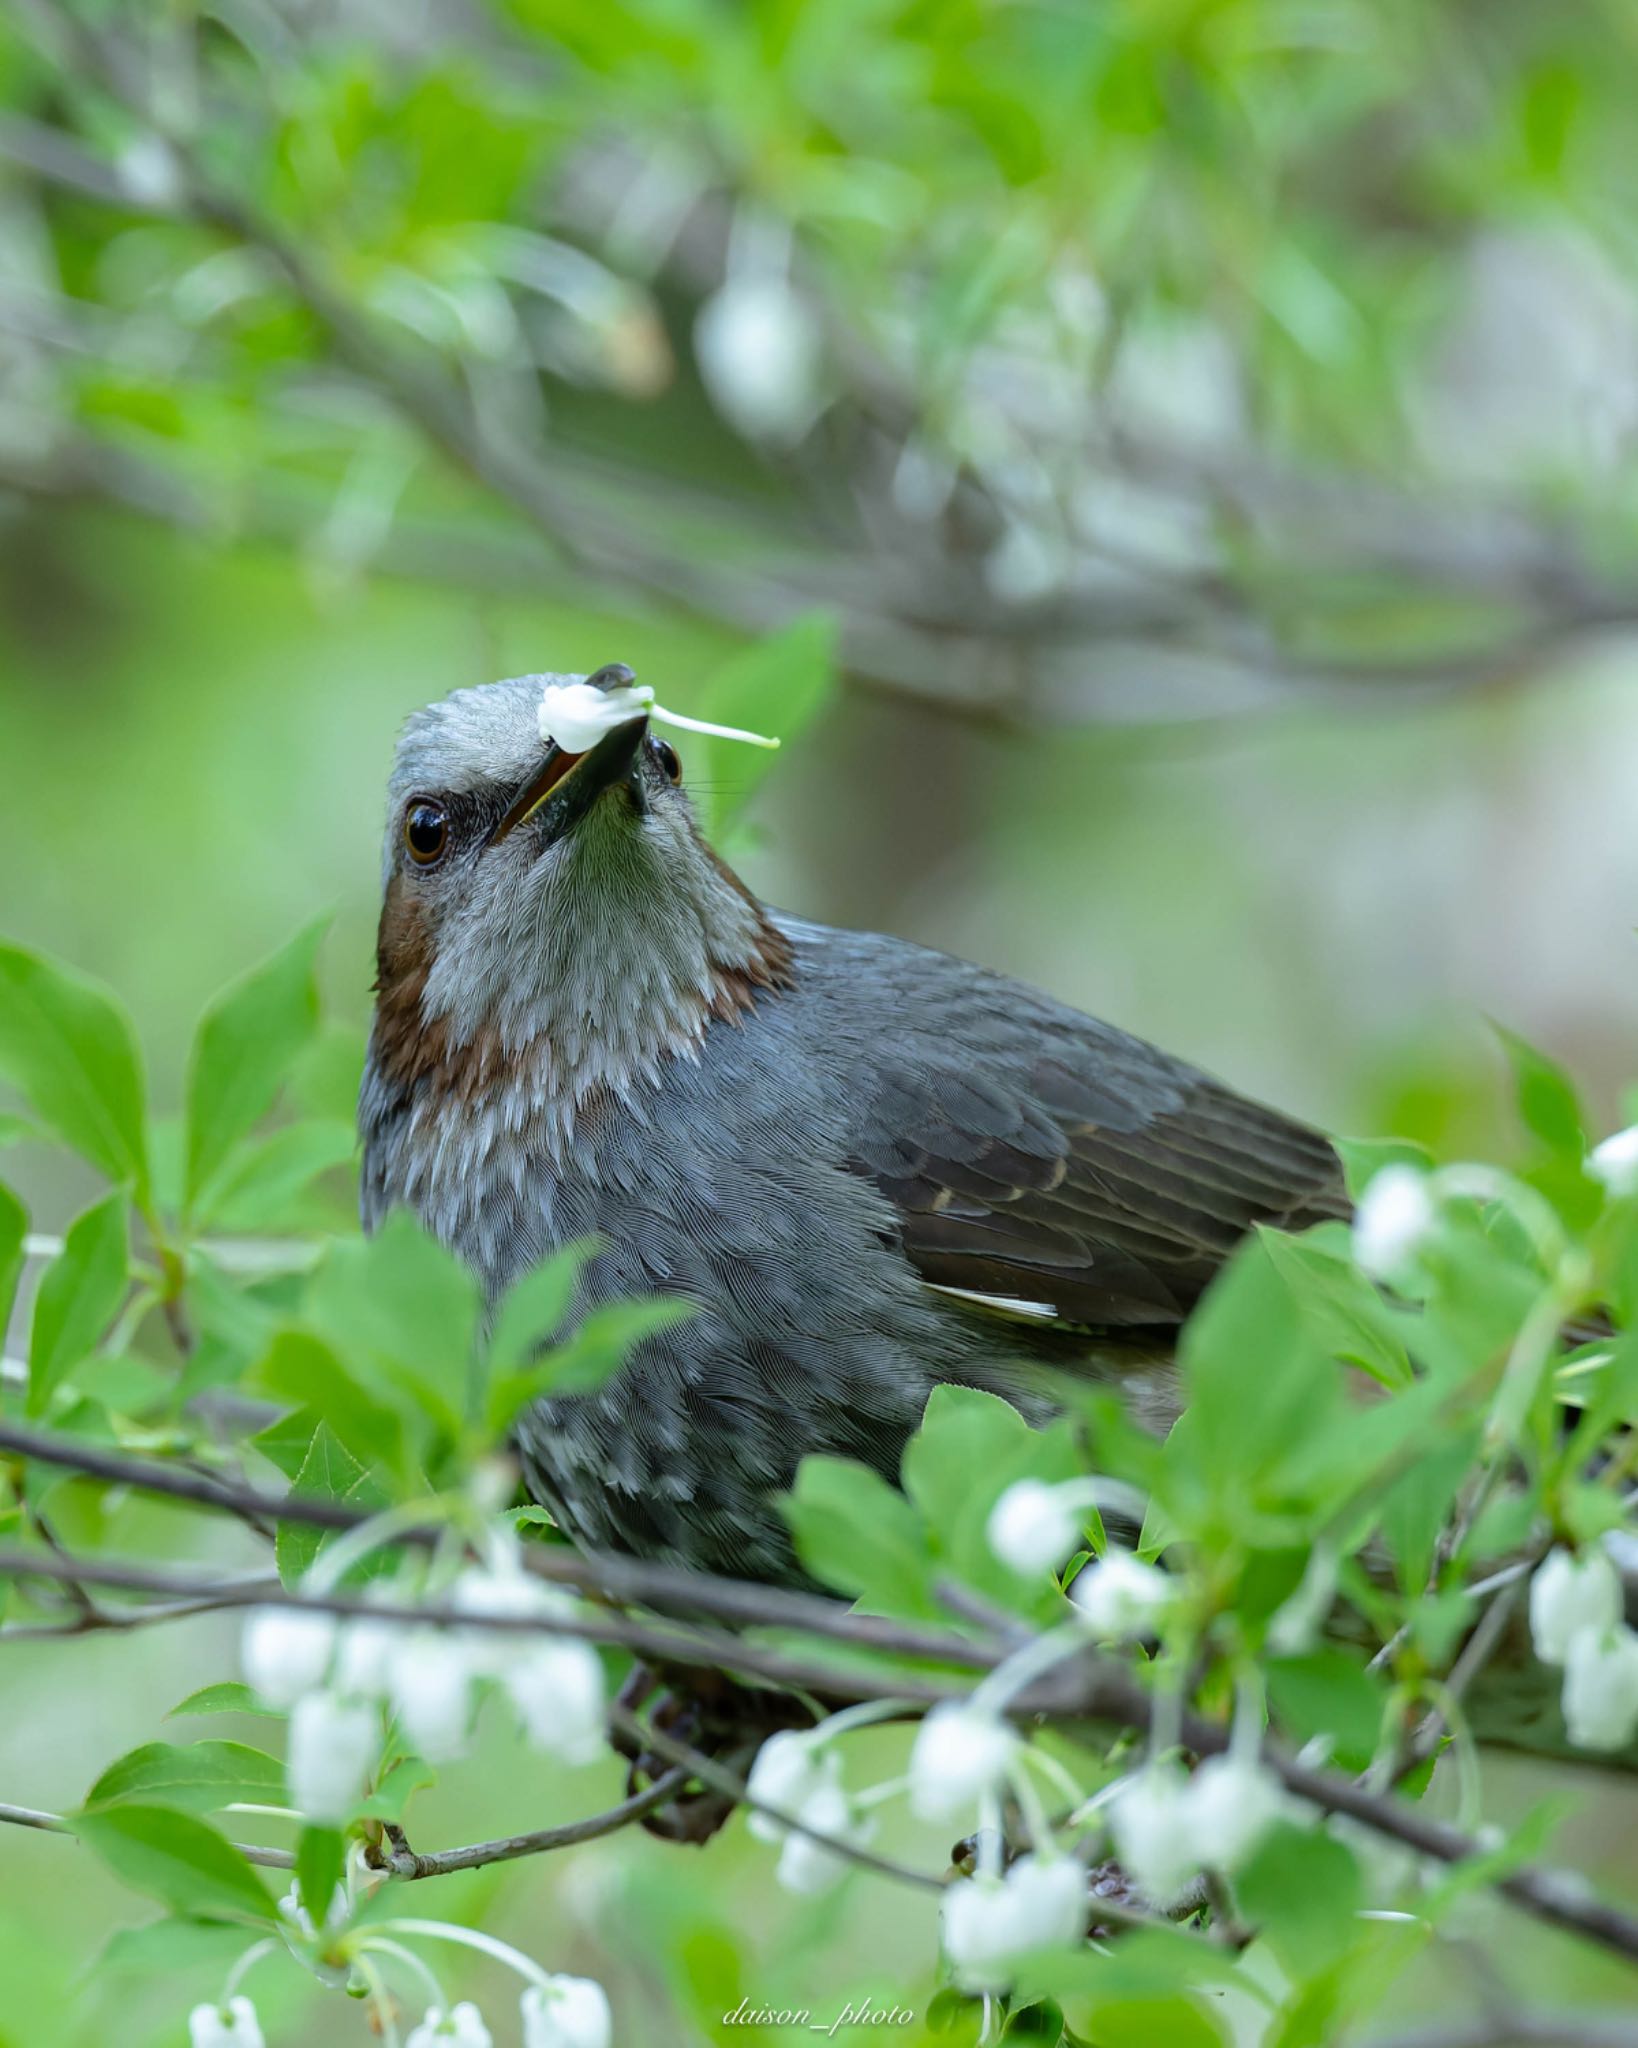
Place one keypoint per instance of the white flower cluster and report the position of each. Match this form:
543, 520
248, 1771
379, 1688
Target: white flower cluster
1576, 1622
989, 1922
577, 713
1034, 1526
1169, 1824
798, 1776
335, 1677
556, 2012
1615, 1162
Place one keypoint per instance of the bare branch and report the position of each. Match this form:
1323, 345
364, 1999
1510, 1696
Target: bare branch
54, 1824
403, 1861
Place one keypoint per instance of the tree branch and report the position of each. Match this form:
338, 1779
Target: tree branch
403, 1861
54, 1824
1089, 1687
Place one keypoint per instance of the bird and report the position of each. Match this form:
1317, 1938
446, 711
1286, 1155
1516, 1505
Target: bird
865, 1168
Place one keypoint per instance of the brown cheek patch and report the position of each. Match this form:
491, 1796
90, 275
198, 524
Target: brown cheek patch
409, 1050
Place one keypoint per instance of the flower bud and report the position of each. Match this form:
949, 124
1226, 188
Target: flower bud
1232, 1803
960, 1753
333, 1745
810, 1866
1615, 1162
989, 1922
758, 347
462, 2027
557, 1689
1601, 1688
1397, 1214
1571, 1592
1119, 1595
233, 2025
567, 2012
430, 1684
788, 1770
1153, 1826
285, 1651
1033, 1527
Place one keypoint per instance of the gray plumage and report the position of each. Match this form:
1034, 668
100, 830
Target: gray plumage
828, 1141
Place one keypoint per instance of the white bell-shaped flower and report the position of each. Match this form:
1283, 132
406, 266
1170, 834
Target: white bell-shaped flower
1152, 1821
556, 1686
1601, 1688
758, 349
334, 1743
1119, 1596
1396, 1217
789, 1768
1571, 1592
1033, 1527
286, 1651
461, 2027
1232, 1804
429, 1679
989, 1922
233, 2025
1615, 1162
961, 1752
567, 2012
808, 1865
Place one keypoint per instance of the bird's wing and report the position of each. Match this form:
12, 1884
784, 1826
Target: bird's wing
1064, 1170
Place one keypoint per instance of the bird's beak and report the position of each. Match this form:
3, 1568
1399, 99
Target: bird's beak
565, 786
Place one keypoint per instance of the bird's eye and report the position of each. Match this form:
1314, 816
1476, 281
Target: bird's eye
666, 755
426, 832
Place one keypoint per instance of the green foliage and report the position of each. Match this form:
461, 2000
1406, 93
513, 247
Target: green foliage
68, 1048
246, 1044
178, 1859
202, 1775
80, 1293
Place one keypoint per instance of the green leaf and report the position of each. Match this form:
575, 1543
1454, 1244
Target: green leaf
860, 1535
330, 1472
80, 1294
200, 1775
403, 1777
533, 1310
403, 1312
601, 1344
1328, 1693
17, 1130
68, 1047
1341, 1311
242, 1051
13, 1229
176, 1858
776, 688
261, 1180
166, 1947
321, 1856
302, 1368
1301, 1889
229, 1697
1548, 1104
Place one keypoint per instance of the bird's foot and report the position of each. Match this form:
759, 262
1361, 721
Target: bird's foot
707, 1713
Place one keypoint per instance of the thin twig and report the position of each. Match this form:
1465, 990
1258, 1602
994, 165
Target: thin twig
55, 1824
403, 1861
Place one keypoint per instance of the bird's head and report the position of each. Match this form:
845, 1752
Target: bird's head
548, 903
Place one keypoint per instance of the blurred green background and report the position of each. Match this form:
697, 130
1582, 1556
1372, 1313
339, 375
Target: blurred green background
1207, 425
